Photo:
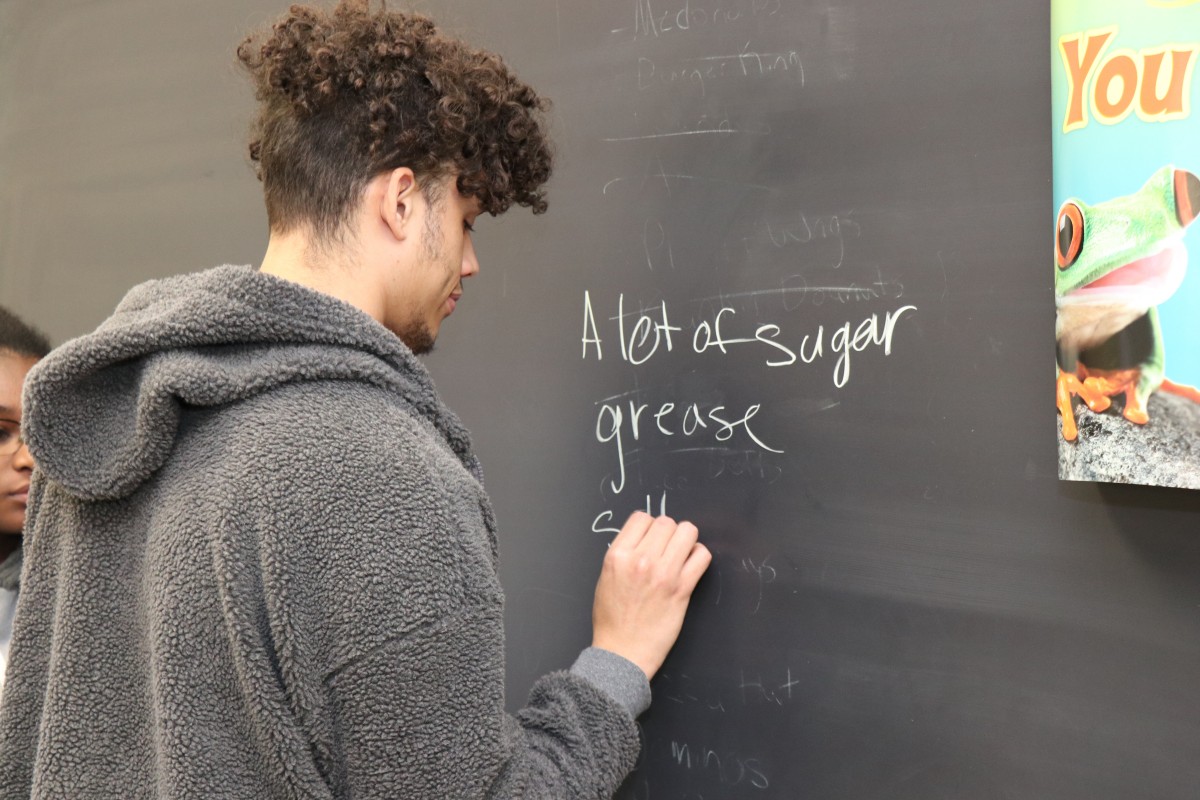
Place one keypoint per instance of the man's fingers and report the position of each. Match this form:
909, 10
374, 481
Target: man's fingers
633, 531
673, 546
645, 587
697, 562
680, 543
654, 544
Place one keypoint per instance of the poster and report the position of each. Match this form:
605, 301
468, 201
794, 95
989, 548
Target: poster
1126, 184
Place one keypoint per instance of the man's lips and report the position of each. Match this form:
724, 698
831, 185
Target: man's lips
21, 495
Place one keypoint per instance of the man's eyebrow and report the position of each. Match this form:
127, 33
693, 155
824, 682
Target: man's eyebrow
5, 411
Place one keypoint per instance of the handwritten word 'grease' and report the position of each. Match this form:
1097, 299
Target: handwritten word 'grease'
612, 425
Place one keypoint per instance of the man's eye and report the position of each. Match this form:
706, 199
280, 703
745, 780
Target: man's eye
6, 435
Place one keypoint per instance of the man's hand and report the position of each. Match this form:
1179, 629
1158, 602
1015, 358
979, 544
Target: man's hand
645, 585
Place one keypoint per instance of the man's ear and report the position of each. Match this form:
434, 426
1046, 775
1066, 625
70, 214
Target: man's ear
396, 205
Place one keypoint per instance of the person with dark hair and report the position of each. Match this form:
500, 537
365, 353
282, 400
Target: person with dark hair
261, 562
20, 348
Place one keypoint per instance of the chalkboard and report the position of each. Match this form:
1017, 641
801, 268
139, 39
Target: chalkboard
794, 285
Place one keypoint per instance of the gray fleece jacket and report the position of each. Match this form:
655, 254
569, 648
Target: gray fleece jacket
260, 563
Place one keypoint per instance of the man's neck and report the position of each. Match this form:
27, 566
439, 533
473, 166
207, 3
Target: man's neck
294, 257
9, 542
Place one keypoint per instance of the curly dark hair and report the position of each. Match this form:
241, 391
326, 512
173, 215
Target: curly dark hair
347, 94
17, 336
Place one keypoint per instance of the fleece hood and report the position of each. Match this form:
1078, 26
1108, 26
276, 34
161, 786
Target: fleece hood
101, 412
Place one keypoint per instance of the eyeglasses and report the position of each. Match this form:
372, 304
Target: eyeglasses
10, 437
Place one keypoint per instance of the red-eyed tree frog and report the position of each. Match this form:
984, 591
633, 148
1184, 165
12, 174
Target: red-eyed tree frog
1115, 262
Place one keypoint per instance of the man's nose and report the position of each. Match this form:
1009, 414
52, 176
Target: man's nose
470, 262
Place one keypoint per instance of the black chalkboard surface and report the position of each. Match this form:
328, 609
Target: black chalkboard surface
794, 285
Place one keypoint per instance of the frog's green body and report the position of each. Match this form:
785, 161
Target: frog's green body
1116, 261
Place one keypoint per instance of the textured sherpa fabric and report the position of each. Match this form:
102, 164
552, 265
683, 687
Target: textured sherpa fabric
10, 570
10, 574
260, 563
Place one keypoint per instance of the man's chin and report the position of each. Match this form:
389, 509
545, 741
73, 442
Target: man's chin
419, 339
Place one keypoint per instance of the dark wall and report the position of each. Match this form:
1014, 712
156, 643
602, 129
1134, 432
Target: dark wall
905, 601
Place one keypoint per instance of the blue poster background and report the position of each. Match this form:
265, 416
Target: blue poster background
1100, 161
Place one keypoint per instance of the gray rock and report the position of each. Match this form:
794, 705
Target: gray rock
1163, 452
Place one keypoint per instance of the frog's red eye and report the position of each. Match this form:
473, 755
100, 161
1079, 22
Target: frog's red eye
1070, 234
1187, 196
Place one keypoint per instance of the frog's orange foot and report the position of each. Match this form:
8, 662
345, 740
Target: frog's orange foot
1095, 394
1135, 407
1067, 386
1088, 390
1136, 414
1095, 388
1180, 389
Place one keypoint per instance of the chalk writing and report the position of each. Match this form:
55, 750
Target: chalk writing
656, 240
748, 688
731, 462
845, 339
795, 291
702, 71
606, 517
656, 175
725, 767
804, 231
614, 425
722, 332
704, 126
636, 344
764, 573
651, 21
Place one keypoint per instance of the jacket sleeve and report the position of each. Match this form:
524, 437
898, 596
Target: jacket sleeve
361, 588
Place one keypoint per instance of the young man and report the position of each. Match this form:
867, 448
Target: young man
20, 348
261, 563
